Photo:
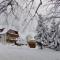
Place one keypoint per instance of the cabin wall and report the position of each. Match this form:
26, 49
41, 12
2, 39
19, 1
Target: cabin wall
3, 38
11, 39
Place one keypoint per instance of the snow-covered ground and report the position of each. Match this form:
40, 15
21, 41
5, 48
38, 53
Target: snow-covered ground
8, 52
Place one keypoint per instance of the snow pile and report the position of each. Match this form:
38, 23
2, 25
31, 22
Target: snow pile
21, 41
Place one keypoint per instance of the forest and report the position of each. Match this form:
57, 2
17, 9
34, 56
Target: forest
39, 20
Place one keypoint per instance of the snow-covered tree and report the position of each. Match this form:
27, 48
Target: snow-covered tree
54, 34
20, 11
42, 30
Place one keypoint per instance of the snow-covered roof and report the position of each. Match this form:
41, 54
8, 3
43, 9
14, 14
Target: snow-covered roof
6, 29
12, 28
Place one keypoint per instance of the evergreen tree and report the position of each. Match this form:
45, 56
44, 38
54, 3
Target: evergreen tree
41, 30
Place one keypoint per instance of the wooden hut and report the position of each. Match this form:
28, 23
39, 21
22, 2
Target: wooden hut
12, 35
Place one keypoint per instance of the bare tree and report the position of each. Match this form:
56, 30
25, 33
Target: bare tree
13, 4
36, 12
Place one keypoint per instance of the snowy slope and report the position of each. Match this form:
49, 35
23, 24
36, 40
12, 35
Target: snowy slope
24, 53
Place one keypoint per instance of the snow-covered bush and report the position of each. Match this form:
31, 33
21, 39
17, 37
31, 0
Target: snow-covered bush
20, 41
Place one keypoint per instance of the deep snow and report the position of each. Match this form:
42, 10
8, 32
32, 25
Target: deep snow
9, 52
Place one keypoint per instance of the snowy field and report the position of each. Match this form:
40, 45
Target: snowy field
8, 52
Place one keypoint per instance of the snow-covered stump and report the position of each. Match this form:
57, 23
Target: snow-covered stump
32, 43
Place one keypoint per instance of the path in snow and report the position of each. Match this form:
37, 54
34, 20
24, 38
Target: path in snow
25, 53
